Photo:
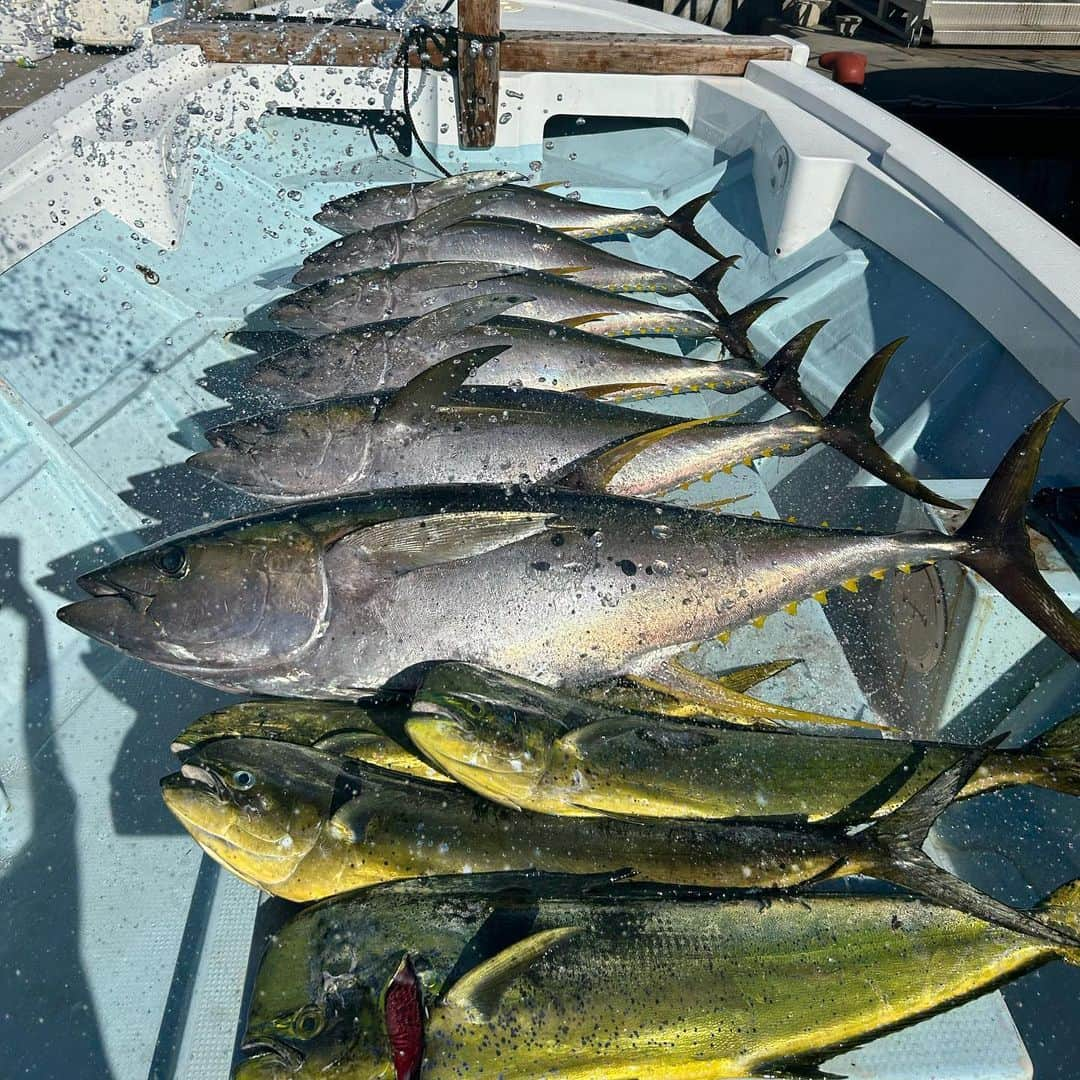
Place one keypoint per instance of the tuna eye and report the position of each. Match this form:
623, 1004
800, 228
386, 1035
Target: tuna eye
172, 561
308, 1022
242, 779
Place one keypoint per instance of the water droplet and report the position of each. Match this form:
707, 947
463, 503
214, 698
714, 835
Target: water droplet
505, 118
285, 82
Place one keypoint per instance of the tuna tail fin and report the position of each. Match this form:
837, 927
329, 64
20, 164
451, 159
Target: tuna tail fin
848, 428
682, 224
996, 538
1062, 909
734, 327
1052, 760
781, 377
707, 285
894, 850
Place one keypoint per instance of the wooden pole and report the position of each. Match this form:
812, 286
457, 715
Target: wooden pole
477, 92
240, 41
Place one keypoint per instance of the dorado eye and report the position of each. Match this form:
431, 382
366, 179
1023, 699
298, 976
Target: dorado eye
242, 779
308, 1022
172, 561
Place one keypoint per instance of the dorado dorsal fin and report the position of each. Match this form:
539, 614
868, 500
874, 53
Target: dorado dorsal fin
478, 993
407, 544
594, 471
437, 384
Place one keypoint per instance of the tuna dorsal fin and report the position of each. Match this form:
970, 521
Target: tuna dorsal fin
594, 471
741, 679
480, 991
782, 371
437, 384
444, 321
407, 544
848, 427
894, 853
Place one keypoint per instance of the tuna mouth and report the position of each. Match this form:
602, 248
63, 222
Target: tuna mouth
98, 616
288, 1057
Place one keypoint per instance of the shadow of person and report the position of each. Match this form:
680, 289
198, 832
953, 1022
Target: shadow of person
48, 1025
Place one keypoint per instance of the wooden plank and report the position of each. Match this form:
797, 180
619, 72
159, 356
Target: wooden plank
243, 42
477, 94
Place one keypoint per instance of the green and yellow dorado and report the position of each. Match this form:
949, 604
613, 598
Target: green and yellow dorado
500, 976
530, 748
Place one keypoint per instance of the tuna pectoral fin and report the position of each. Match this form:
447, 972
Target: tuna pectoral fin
413, 543
1053, 759
596, 470
434, 326
433, 386
670, 689
682, 224
459, 208
848, 428
997, 544
741, 679
894, 853
478, 993
707, 285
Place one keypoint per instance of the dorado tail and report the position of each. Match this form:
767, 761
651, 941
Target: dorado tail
1062, 909
848, 428
707, 286
682, 224
894, 846
997, 544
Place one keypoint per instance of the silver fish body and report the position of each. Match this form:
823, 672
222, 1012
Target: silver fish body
375, 206
535, 205
328, 599
483, 434
411, 289
540, 356
514, 243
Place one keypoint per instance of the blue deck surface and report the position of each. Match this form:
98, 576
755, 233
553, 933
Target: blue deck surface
112, 379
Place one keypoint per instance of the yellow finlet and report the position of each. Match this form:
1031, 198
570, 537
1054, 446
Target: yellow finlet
757, 513
821, 597
878, 575
748, 462
824, 525
851, 585
904, 568
724, 637
792, 608
791, 519
759, 622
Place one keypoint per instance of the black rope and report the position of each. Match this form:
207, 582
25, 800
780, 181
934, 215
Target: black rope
448, 41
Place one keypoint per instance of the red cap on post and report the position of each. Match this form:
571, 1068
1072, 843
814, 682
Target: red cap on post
848, 68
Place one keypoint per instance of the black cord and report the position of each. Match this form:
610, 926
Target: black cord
403, 57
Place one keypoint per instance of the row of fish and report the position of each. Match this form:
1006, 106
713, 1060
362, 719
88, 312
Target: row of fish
466, 545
